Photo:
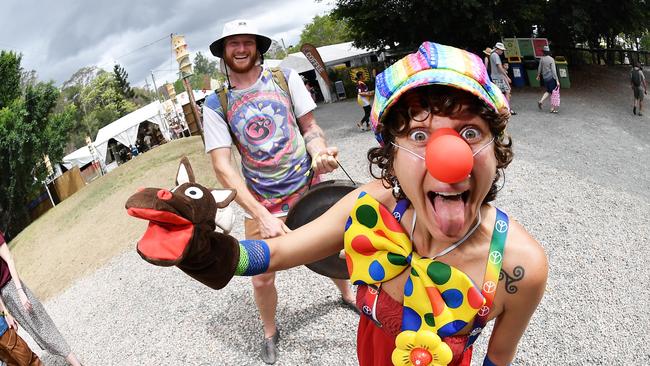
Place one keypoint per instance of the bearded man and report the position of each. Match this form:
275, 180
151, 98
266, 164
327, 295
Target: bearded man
280, 144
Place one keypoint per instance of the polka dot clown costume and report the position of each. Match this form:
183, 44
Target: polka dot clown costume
439, 300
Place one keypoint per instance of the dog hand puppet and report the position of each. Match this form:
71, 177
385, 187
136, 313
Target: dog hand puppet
182, 224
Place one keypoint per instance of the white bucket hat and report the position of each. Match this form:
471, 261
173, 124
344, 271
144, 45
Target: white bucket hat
236, 27
500, 46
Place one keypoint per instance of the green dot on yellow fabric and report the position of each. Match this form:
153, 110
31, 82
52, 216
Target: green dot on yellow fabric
414, 272
428, 318
367, 216
396, 259
439, 272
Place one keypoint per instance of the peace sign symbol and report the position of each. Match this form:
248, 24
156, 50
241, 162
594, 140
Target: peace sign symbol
366, 309
484, 310
489, 287
397, 215
501, 226
495, 257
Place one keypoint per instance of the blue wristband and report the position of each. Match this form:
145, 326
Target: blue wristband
254, 258
488, 362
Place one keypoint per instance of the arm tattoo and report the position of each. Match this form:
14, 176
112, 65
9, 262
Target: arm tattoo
517, 275
311, 136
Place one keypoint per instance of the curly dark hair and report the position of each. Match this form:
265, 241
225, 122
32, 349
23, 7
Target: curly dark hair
443, 101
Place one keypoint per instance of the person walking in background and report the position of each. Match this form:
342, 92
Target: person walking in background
486, 59
267, 114
14, 351
364, 98
639, 87
310, 89
547, 74
28, 310
498, 74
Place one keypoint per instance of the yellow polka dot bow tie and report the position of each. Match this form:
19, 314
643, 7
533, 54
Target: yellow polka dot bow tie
437, 297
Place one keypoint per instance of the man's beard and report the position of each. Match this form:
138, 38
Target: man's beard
240, 69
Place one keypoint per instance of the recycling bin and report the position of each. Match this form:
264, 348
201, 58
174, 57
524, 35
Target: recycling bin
516, 71
562, 72
530, 65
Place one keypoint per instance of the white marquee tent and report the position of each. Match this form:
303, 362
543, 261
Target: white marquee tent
125, 129
78, 157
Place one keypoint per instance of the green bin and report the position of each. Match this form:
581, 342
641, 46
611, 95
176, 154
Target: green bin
530, 64
562, 72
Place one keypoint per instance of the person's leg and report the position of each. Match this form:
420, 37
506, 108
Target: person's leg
366, 116
640, 101
38, 323
541, 101
549, 85
72, 359
266, 299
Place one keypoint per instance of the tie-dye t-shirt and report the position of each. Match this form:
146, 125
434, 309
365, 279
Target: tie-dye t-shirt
275, 162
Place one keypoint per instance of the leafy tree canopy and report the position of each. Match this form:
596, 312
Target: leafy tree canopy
29, 129
10, 71
324, 30
475, 24
122, 79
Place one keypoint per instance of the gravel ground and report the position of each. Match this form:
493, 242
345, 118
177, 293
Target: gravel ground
579, 183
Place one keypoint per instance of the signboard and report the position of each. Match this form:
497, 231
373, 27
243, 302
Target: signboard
512, 47
521, 47
363, 70
314, 58
538, 45
525, 47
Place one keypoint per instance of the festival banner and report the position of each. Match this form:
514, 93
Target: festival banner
314, 57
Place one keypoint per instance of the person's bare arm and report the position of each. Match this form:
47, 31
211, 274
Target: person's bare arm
315, 240
5, 254
323, 157
270, 225
528, 259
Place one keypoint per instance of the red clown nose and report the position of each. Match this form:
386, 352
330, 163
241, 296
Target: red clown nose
448, 157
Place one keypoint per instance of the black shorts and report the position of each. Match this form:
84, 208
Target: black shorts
550, 85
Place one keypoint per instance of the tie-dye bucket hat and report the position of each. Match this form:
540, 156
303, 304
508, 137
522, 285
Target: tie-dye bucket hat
433, 63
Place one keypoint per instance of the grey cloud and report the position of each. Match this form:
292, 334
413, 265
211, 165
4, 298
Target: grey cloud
60, 37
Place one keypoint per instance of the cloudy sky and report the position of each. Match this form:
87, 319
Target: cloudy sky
56, 38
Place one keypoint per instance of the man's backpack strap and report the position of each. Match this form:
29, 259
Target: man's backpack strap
281, 81
223, 100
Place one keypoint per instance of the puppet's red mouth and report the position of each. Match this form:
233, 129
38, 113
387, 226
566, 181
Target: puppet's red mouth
166, 238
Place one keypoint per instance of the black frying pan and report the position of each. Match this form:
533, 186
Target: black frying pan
314, 203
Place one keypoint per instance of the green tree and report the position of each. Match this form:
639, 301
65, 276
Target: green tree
204, 66
473, 24
325, 30
102, 103
10, 72
122, 81
29, 129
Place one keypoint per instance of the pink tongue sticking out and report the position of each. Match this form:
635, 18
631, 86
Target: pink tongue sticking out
450, 214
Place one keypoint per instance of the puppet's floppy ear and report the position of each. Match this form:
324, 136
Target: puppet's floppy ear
223, 197
185, 173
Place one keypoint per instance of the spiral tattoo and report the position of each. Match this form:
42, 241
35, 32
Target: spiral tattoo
517, 275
